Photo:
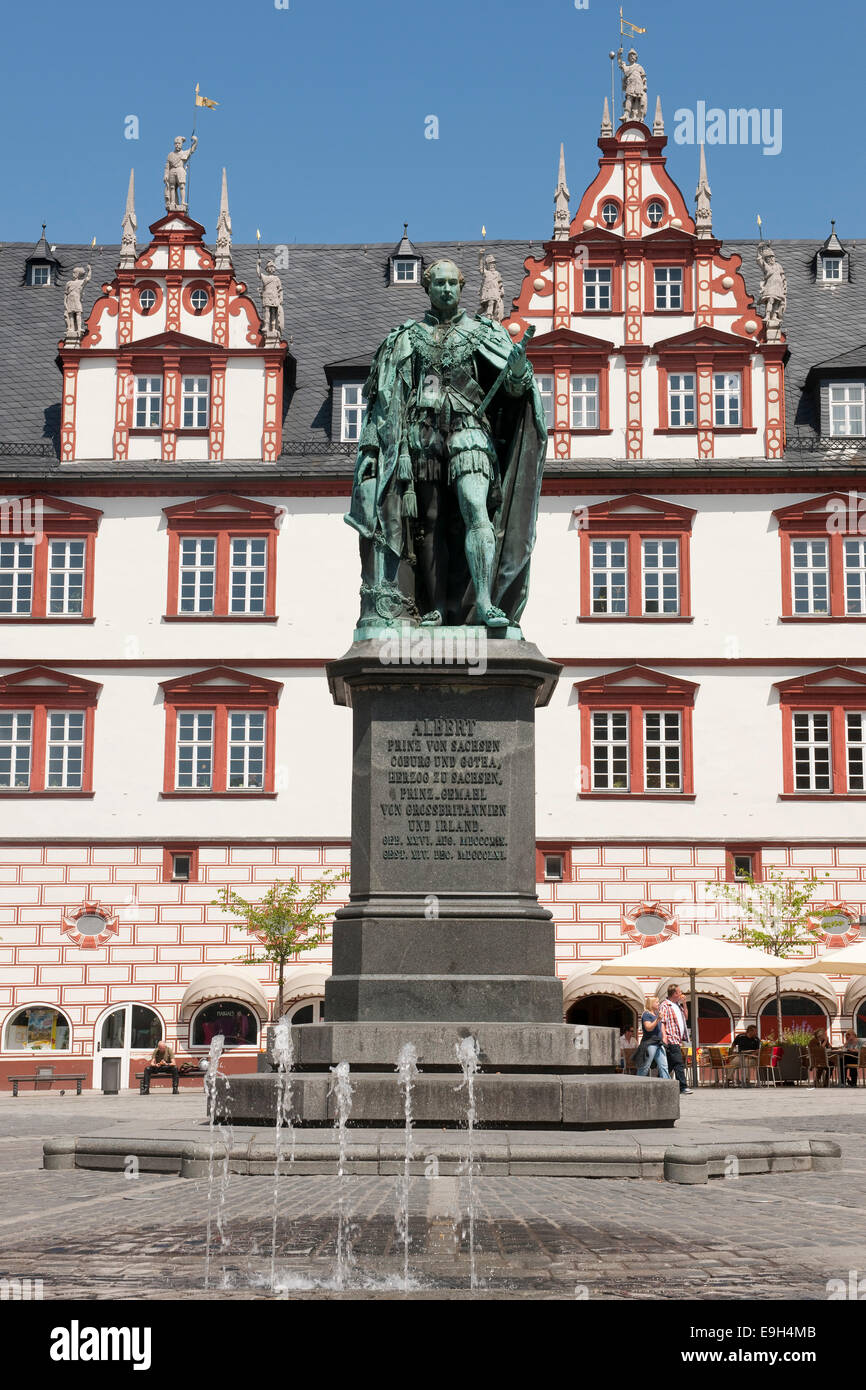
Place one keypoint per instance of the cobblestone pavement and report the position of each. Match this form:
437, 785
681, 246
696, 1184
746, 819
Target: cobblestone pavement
102, 1235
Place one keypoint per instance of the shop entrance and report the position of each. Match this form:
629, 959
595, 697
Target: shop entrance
126, 1030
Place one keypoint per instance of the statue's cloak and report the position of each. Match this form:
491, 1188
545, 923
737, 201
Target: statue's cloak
519, 434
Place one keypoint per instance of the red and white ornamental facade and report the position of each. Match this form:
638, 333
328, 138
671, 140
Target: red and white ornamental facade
166, 730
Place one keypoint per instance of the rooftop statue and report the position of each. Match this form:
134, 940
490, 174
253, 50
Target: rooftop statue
773, 293
73, 308
272, 301
449, 467
175, 174
491, 297
633, 87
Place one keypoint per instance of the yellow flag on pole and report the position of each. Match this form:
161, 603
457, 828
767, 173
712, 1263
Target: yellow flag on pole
627, 24
203, 101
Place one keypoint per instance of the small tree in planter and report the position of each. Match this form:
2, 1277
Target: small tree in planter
285, 923
779, 908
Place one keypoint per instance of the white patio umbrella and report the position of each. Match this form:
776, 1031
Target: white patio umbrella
695, 955
851, 960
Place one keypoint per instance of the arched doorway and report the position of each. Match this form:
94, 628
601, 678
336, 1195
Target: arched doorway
306, 1011
797, 1010
716, 1024
601, 1011
124, 1030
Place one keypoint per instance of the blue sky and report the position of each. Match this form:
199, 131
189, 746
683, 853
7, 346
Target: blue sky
323, 104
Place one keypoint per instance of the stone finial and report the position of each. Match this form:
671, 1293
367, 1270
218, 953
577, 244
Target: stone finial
224, 230
606, 123
659, 122
127, 239
561, 215
703, 195
773, 294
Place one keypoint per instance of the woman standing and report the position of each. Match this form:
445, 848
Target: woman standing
652, 1047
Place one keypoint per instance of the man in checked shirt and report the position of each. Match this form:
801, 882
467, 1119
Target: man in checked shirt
675, 1031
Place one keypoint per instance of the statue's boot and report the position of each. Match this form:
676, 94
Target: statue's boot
480, 550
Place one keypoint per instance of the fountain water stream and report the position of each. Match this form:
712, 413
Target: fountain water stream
407, 1070
211, 1077
467, 1055
341, 1090
283, 1052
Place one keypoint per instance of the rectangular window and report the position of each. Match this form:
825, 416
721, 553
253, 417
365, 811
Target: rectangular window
668, 287
181, 868
354, 409
545, 390
727, 402
40, 275
16, 733
855, 735
197, 574
406, 272
854, 558
553, 870
831, 268
609, 576
195, 397
610, 740
597, 289
847, 408
744, 866
663, 751
584, 402
661, 576
16, 577
64, 750
248, 578
148, 402
681, 400
246, 761
812, 760
194, 750
810, 576
66, 577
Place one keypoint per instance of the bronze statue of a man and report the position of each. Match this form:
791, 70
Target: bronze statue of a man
174, 176
449, 469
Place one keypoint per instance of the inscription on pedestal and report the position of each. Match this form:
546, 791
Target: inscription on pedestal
443, 791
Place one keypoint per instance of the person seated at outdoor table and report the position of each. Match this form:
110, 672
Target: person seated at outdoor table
161, 1062
652, 1048
849, 1057
820, 1040
747, 1042
628, 1038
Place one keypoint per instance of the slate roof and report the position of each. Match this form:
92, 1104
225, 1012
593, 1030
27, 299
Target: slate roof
339, 305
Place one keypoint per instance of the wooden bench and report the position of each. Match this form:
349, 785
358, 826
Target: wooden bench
185, 1071
50, 1075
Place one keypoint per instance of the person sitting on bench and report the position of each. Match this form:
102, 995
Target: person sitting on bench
161, 1062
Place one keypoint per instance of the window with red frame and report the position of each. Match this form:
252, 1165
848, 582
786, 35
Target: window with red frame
824, 733
704, 383
220, 729
46, 733
46, 559
823, 558
636, 734
743, 862
222, 558
635, 559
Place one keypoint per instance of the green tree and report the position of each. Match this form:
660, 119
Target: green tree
285, 923
779, 908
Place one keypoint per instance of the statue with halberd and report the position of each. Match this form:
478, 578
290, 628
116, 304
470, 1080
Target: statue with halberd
448, 474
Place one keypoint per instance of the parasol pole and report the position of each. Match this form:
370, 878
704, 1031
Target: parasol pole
695, 1026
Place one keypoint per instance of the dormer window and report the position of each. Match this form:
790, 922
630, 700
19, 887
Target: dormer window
40, 274
354, 408
847, 408
831, 265
405, 262
831, 268
41, 266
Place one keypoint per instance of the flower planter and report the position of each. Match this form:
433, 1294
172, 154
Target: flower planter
789, 1068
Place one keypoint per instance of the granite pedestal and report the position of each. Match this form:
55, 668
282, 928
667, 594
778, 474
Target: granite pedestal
443, 935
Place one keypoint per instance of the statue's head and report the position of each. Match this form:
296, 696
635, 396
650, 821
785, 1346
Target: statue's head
178, 142
770, 255
632, 55
490, 263
443, 281
78, 273
270, 268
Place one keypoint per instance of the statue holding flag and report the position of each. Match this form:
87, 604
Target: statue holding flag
633, 87
174, 176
